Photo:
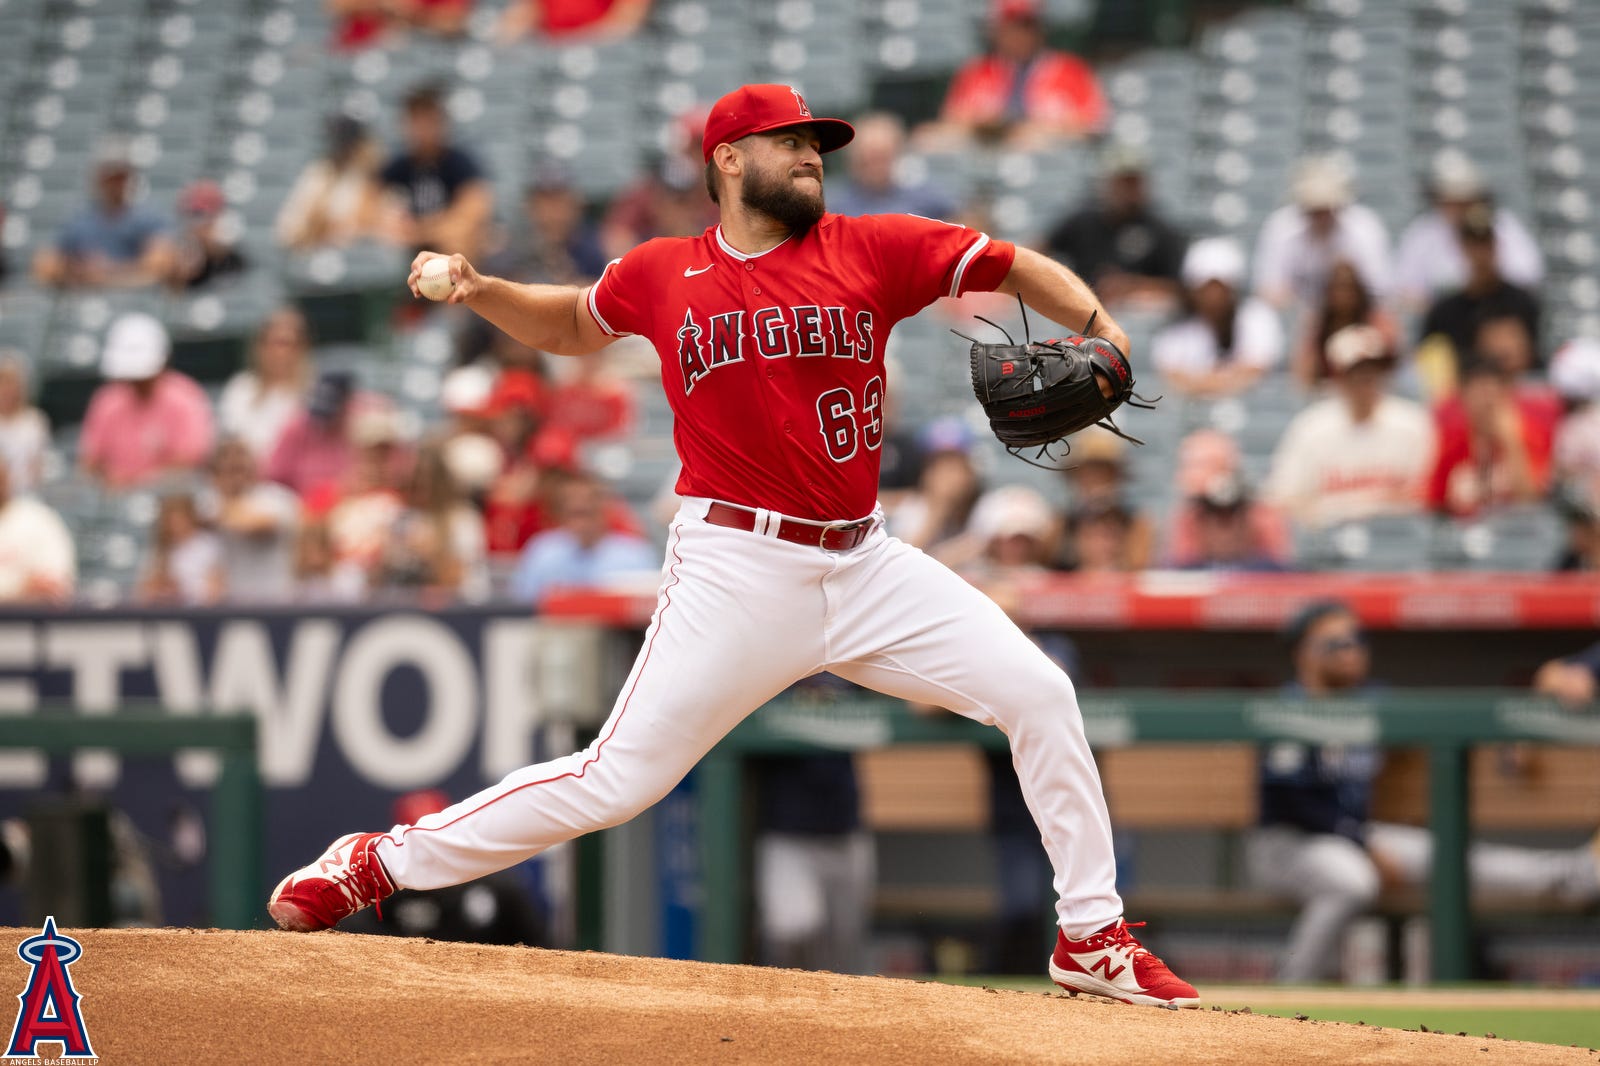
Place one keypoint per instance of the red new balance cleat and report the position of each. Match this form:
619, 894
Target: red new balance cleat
347, 879
1111, 963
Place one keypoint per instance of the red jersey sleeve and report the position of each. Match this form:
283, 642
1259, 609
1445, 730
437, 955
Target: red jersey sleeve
923, 259
619, 301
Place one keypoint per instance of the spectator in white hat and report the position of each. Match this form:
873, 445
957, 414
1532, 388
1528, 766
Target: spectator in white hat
1431, 262
1358, 453
1575, 374
1301, 241
1016, 525
1015, 533
471, 452
1227, 340
146, 420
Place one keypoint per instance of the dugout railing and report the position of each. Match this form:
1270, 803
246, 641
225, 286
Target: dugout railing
234, 839
1446, 723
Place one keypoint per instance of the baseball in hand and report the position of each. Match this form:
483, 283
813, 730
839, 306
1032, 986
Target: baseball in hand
433, 281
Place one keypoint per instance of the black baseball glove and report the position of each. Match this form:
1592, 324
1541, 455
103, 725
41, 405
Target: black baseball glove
1040, 392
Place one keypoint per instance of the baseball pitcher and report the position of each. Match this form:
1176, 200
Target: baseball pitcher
771, 328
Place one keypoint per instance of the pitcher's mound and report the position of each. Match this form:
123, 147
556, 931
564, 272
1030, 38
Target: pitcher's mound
174, 995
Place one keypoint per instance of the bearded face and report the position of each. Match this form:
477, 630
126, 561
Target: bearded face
791, 195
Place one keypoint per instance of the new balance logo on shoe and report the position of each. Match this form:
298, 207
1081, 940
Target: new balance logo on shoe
1110, 962
1103, 964
347, 878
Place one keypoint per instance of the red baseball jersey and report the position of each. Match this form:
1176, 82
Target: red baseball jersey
773, 363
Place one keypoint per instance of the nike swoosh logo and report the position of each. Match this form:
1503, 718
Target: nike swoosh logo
691, 273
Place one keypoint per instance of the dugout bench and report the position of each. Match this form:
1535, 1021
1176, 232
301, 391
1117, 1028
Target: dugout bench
1444, 724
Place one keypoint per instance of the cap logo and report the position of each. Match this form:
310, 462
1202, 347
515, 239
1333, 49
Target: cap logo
804, 110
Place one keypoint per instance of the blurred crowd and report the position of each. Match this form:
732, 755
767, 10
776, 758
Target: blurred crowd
1426, 383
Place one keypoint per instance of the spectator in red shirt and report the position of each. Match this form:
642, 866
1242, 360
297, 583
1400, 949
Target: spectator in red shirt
146, 420
364, 23
1493, 448
1020, 90
591, 404
1503, 339
565, 20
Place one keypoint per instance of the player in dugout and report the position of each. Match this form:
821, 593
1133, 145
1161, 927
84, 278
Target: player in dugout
1318, 842
771, 327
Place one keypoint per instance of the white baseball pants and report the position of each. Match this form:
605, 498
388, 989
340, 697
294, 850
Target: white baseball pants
740, 617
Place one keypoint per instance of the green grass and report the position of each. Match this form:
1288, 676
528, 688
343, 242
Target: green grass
1545, 1025
1542, 1025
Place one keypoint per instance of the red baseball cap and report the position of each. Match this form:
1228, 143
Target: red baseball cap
759, 108
1014, 11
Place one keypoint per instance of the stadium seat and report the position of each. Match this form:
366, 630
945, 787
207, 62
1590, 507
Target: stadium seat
1523, 539
1382, 543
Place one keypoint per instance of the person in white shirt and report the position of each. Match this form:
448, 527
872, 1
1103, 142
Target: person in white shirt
24, 430
1358, 453
1430, 261
334, 200
256, 404
1226, 341
1300, 242
38, 562
185, 562
256, 523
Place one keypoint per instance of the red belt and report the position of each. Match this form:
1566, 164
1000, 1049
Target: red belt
829, 536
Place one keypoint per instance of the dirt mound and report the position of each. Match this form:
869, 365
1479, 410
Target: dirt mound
165, 995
